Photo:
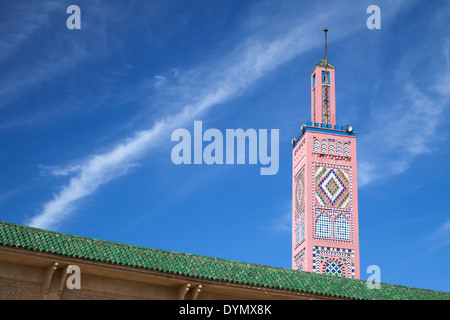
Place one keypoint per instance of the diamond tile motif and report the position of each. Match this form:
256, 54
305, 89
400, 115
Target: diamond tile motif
332, 187
333, 268
329, 260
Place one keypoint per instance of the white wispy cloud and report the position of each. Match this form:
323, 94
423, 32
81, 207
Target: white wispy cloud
283, 221
59, 171
51, 52
95, 172
218, 80
221, 82
19, 34
440, 237
14, 32
160, 81
408, 126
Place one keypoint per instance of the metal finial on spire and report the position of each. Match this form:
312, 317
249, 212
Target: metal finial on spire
326, 48
326, 117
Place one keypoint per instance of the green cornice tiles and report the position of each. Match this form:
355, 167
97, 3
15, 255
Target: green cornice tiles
202, 267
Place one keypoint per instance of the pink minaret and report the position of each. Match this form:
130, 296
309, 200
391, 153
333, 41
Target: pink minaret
324, 195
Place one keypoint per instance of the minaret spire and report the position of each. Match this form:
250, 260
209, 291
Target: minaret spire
323, 106
327, 105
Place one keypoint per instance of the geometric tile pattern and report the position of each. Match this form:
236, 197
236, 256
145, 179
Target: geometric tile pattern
299, 229
302, 227
299, 260
333, 267
346, 149
339, 148
324, 227
316, 145
332, 225
322, 256
300, 190
299, 219
323, 146
331, 146
332, 186
341, 228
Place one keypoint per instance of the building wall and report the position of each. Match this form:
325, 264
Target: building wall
33, 275
311, 250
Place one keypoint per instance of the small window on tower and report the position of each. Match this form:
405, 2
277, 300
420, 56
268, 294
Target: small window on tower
314, 80
326, 77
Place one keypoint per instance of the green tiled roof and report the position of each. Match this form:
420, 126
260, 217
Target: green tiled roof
202, 267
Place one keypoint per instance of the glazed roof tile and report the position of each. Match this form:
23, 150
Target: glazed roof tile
203, 267
322, 64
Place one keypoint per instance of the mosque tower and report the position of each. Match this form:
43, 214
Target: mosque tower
324, 189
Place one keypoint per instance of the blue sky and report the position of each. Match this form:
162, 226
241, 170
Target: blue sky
86, 118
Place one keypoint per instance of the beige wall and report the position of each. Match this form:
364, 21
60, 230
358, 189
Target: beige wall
34, 275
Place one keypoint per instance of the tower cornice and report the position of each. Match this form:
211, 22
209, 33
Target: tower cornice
320, 127
323, 64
